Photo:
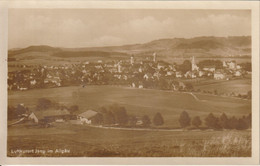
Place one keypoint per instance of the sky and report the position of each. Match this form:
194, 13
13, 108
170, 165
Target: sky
109, 27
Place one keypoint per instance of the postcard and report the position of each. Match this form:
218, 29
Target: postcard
130, 82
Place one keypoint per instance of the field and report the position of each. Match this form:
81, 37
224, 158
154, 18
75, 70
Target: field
66, 139
78, 141
136, 101
239, 86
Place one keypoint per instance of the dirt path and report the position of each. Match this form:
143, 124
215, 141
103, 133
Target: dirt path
145, 129
14, 123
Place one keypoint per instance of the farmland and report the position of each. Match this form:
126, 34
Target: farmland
93, 142
239, 86
136, 101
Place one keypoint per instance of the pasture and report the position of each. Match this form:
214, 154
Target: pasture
96, 142
136, 101
238, 86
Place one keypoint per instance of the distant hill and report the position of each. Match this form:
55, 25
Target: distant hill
181, 47
209, 46
41, 48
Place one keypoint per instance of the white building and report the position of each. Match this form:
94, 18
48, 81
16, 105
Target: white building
193, 64
219, 76
237, 74
132, 60
154, 57
86, 117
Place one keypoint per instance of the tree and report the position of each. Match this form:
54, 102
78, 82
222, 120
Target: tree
189, 86
43, 104
196, 121
146, 121
248, 120
184, 119
223, 121
158, 119
186, 66
11, 114
109, 118
73, 109
98, 119
20, 109
212, 121
163, 84
232, 123
241, 124
120, 115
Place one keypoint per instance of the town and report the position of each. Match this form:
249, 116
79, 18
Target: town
137, 74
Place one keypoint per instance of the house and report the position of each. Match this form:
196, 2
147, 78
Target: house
50, 115
33, 82
237, 74
231, 65
219, 76
209, 68
133, 85
178, 75
86, 116
33, 117
201, 73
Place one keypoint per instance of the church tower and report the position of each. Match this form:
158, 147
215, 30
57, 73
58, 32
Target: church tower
154, 57
193, 63
132, 60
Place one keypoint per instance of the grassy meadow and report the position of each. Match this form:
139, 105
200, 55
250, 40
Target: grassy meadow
238, 86
136, 101
96, 142
82, 140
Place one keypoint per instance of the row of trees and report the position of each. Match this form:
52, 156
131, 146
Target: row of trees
115, 114
213, 122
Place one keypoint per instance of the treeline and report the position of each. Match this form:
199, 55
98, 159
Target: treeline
41, 105
117, 115
214, 122
248, 95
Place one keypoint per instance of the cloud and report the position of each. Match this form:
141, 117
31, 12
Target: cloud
104, 41
92, 28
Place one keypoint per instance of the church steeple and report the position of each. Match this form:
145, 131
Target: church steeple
193, 64
154, 57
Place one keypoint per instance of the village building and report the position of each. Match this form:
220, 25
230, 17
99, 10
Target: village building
209, 68
194, 67
231, 65
201, 73
50, 115
237, 74
178, 74
85, 117
219, 76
